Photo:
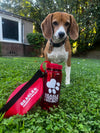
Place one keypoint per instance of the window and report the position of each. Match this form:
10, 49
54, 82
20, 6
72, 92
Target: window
10, 29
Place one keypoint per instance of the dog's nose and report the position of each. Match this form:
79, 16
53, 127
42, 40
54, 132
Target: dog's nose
61, 34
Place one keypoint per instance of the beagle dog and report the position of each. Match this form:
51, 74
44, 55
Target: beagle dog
57, 27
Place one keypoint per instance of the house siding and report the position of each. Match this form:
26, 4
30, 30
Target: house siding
28, 28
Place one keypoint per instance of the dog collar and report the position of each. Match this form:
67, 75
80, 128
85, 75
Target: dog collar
57, 44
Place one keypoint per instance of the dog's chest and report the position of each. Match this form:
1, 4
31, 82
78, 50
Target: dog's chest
58, 55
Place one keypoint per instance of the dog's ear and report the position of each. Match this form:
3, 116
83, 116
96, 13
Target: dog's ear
46, 27
74, 30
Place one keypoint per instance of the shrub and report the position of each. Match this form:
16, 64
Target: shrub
35, 39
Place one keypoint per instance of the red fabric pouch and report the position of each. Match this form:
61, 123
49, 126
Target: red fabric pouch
25, 96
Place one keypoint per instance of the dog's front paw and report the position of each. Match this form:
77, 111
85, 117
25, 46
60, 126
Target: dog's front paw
67, 82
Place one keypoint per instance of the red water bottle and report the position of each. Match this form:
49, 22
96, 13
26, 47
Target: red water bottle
51, 86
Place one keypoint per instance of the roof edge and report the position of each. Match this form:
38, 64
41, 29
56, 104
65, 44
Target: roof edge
15, 15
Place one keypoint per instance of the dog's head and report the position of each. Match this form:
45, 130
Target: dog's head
57, 26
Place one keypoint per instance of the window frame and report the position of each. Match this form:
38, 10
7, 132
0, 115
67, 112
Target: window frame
19, 29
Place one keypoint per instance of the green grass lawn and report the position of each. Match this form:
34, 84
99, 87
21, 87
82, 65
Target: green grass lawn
79, 106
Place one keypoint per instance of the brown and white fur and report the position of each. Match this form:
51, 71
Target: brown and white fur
58, 27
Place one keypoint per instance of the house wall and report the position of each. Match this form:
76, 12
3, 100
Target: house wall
15, 49
20, 47
27, 28
11, 49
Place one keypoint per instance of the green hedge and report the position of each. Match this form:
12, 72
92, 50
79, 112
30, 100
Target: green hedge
0, 49
35, 39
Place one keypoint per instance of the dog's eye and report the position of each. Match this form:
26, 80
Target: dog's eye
55, 23
67, 23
